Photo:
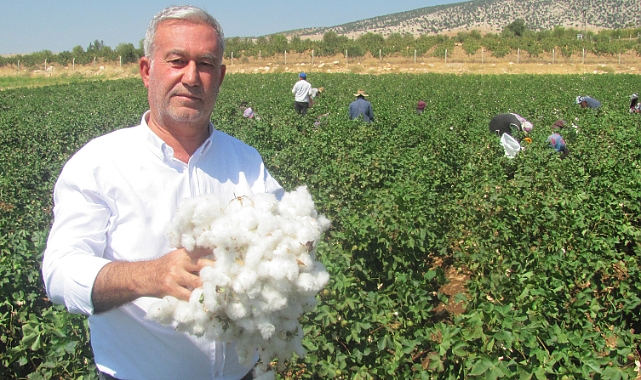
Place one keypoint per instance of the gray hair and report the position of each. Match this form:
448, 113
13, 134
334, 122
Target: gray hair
184, 12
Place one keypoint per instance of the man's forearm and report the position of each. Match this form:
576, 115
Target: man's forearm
118, 283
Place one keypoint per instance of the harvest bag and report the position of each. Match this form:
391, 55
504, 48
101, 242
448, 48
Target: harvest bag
511, 146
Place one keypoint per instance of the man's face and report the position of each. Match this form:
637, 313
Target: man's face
184, 74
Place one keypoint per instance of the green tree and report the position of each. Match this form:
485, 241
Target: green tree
278, 43
515, 28
371, 42
127, 52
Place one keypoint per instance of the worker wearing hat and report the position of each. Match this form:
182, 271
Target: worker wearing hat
301, 93
361, 106
588, 102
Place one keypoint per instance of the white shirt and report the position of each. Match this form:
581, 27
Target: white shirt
113, 201
301, 90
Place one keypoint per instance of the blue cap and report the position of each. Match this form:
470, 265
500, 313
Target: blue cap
302, 75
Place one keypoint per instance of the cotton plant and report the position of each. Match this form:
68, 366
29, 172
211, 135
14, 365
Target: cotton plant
264, 278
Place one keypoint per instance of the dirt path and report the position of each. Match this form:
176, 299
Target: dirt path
457, 62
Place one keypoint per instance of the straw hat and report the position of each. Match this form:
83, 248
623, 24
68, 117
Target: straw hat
361, 93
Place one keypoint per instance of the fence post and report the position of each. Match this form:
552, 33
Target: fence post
312, 57
518, 54
73, 64
553, 54
346, 58
18, 65
285, 57
583, 61
380, 55
45, 64
120, 59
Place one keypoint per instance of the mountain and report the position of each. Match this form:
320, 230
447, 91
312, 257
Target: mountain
493, 16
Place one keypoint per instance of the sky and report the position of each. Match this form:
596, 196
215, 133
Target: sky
28, 26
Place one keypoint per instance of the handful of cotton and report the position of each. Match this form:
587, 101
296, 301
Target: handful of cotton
265, 274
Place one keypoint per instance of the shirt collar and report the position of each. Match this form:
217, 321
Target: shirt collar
162, 150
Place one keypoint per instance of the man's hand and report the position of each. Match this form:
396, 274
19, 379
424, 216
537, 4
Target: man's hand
174, 274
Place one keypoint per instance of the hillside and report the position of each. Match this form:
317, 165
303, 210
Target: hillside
493, 16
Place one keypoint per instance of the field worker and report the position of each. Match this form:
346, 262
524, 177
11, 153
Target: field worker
107, 254
556, 141
587, 102
301, 93
316, 92
635, 106
420, 107
510, 123
361, 106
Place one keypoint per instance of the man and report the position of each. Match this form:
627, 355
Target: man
361, 106
509, 123
301, 92
587, 101
316, 92
107, 255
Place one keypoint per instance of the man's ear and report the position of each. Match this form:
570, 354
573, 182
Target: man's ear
144, 65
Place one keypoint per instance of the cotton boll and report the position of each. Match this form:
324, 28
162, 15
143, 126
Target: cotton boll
281, 268
323, 223
275, 300
295, 345
265, 202
321, 276
305, 262
289, 325
207, 210
247, 324
266, 329
244, 281
162, 311
264, 277
267, 225
236, 310
182, 314
305, 283
254, 255
188, 242
279, 345
254, 292
309, 304
292, 312
283, 285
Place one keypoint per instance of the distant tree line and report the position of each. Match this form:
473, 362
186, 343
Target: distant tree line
516, 35
96, 51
